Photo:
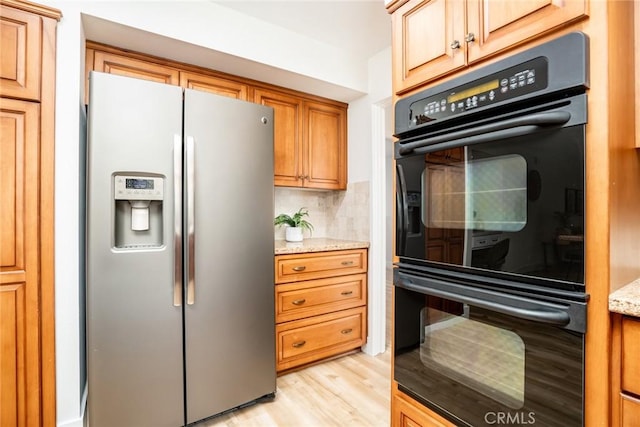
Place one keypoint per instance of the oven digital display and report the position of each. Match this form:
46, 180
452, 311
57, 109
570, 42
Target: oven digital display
476, 90
523, 79
139, 184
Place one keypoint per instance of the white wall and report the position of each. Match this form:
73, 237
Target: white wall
196, 32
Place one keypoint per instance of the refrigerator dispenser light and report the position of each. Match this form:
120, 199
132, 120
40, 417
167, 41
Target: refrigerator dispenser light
138, 211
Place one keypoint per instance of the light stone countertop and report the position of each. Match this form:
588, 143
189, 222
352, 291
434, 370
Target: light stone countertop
626, 300
317, 244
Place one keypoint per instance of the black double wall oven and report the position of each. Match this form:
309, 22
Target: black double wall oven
490, 302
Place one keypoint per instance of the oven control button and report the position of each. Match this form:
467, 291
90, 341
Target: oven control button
492, 95
504, 82
453, 107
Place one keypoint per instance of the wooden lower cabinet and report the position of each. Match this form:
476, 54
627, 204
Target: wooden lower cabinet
321, 307
625, 372
406, 412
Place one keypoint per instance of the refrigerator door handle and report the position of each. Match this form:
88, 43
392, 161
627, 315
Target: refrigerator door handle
177, 220
191, 232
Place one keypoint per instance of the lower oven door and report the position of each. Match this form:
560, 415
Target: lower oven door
480, 357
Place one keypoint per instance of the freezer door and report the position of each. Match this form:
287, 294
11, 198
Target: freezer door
229, 312
134, 330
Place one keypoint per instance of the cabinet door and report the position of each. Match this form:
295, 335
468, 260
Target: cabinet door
630, 411
325, 146
631, 355
287, 136
216, 85
20, 64
427, 41
130, 67
499, 24
19, 273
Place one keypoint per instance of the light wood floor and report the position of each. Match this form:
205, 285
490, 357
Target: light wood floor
353, 390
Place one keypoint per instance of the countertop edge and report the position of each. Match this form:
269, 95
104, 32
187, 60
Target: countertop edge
626, 300
309, 245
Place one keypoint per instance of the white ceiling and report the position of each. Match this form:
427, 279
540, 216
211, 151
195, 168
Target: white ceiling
362, 27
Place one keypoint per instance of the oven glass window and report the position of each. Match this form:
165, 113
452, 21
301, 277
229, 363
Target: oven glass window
513, 206
484, 194
471, 364
494, 367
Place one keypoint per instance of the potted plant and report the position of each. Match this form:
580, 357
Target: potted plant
296, 224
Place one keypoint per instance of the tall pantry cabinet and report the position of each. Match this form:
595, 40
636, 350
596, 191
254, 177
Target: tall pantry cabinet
27, 85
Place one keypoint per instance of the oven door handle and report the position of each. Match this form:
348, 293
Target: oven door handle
509, 128
523, 308
402, 210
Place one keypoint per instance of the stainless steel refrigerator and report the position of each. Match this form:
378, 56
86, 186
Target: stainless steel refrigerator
179, 263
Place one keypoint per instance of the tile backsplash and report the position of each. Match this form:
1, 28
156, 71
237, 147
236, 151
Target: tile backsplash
334, 214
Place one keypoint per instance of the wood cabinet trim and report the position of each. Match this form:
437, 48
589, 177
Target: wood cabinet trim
38, 9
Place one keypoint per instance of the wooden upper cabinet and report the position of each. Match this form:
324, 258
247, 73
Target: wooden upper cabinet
325, 148
495, 25
131, 67
310, 141
426, 40
216, 85
432, 38
310, 132
21, 48
287, 136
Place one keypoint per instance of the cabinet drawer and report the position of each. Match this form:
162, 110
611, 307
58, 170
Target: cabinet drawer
630, 358
313, 297
298, 267
304, 341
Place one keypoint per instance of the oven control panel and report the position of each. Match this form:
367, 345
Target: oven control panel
528, 77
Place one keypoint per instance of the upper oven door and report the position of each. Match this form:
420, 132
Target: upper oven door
500, 195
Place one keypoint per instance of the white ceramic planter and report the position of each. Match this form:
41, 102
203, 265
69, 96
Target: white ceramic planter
293, 234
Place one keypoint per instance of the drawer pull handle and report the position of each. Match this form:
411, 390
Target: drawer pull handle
345, 293
299, 268
346, 331
347, 262
299, 344
298, 301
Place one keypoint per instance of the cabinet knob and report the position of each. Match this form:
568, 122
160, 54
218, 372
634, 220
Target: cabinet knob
346, 293
470, 37
455, 45
346, 331
347, 263
298, 301
299, 268
299, 344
